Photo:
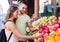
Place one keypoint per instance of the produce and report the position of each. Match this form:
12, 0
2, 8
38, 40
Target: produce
55, 37
48, 28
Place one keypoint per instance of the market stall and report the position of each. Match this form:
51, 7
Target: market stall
48, 28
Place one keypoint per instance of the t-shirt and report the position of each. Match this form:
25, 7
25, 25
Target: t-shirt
21, 23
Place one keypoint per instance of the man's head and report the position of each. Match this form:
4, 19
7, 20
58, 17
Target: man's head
22, 8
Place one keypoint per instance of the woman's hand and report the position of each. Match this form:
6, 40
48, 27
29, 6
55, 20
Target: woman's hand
37, 35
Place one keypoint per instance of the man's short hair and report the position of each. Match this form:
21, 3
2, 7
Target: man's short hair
21, 5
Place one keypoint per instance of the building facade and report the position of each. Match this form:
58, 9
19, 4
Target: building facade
33, 6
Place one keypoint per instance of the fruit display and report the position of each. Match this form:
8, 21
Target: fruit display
47, 28
55, 37
39, 21
44, 20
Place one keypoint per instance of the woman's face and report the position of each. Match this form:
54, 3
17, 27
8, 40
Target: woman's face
15, 14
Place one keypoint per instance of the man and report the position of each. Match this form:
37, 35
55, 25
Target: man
22, 20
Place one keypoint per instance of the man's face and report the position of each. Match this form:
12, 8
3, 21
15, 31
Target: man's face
23, 8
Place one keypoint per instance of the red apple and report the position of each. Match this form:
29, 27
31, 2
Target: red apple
41, 30
40, 41
52, 27
48, 26
55, 21
40, 26
56, 25
58, 21
45, 35
46, 30
55, 29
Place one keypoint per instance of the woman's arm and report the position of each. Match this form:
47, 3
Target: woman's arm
13, 28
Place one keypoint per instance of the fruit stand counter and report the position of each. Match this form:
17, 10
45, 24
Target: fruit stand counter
48, 28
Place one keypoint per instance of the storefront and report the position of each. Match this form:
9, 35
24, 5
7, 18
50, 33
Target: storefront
37, 6
34, 6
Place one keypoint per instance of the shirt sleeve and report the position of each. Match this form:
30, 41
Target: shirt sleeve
28, 19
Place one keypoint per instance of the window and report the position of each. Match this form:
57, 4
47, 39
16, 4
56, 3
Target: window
58, 2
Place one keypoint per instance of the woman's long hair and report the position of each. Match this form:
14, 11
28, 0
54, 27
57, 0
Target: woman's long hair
10, 12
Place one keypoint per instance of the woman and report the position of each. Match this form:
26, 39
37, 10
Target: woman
10, 19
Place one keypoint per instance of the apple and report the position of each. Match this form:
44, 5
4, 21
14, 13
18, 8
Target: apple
55, 29
40, 26
58, 21
41, 30
49, 26
40, 41
52, 27
45, 35
46, 25
46, 30
56, 25
55, 21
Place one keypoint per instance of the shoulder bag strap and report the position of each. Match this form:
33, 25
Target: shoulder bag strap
10, 36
